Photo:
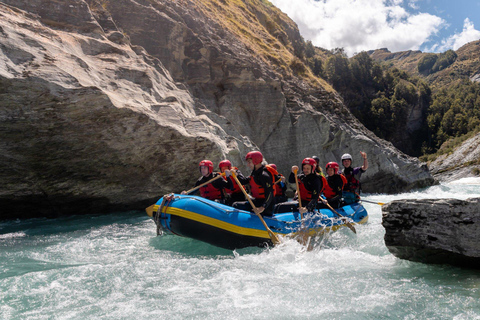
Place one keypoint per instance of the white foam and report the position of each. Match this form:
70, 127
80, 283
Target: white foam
469, 180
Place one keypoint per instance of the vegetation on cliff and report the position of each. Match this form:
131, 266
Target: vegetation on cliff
418, 101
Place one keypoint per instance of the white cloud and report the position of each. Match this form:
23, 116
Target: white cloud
468, 34
358, 25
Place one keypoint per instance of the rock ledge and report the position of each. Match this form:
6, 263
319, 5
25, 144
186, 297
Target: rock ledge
434, 230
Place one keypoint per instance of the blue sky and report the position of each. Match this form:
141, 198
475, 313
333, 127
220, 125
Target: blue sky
399, 25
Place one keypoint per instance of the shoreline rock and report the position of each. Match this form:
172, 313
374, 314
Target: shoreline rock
436, 231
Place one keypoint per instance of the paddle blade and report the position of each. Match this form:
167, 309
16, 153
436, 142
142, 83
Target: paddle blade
149, 210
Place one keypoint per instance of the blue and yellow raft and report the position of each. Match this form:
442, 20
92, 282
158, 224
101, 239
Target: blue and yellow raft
226, 227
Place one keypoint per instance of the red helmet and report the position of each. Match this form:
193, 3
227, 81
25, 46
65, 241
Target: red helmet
256, 157
333, 165
273, 165
311, 162
208, 164
225, 163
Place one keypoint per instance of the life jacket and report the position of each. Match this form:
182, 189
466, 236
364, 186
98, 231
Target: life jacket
257, 191
210, 192
353, 183
277, 188
305, 195
236, 188
328, 191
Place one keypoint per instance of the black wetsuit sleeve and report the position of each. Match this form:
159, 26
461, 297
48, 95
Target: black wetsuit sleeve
243, 180
291, 178
222, 184
316, 184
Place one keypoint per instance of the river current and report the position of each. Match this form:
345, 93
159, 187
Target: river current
115, 267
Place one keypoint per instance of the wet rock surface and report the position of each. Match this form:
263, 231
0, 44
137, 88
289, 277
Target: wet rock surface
434, 231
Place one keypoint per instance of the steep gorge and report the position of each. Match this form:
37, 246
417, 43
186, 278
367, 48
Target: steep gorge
106, 105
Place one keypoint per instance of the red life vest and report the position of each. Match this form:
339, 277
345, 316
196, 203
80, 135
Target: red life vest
328, 191
257, 191
352, 183
305, 195
210, 192
236, 188
277, 189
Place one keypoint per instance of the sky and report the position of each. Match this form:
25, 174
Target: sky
398, 25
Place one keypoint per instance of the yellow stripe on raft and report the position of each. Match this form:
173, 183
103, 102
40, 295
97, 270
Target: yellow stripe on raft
218, 223
231, 227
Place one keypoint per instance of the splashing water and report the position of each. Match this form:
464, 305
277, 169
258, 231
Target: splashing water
114, 267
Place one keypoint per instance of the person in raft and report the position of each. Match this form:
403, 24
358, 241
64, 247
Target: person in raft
351, 191
215, 190
280, 186
318, 169
234, 194
334, 188
261, 182
310, 184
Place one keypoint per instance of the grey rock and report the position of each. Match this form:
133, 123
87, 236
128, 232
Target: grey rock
463, 162
108, 108
434, 231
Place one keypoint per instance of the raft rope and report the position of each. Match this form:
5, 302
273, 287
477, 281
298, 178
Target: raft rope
166, 199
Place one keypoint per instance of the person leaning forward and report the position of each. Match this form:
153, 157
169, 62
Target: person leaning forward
214, 190
261, 186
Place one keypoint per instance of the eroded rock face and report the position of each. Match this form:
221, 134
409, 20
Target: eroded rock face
462, 163
434, 231
109, 105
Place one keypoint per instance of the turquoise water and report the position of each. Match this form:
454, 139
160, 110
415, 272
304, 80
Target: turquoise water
114, 267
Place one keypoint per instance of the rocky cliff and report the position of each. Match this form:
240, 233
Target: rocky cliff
106, 105
434, 231
463, 162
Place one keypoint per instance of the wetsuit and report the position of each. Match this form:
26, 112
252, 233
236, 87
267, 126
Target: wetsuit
214, 190
235, 194
280, 188
261, 188
351, 190
310, 188
333, 192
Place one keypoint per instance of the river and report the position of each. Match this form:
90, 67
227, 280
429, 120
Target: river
114, 267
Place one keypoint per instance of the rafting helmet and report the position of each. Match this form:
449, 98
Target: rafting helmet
206, 163
317, 159
346, 156
311, 162
333, 165
273, 165
225, 163
256, 157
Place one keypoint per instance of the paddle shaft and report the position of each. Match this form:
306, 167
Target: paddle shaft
346, 222
298, 194
379, 203
203, 184
272, 235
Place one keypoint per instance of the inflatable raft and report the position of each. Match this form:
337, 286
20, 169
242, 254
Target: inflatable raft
226, 227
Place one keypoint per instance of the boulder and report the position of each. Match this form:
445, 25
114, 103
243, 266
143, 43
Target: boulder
434, 231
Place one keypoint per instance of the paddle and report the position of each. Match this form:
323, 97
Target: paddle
204, 184
272, 235
379, 203
346, 222
149, 210
298, 194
